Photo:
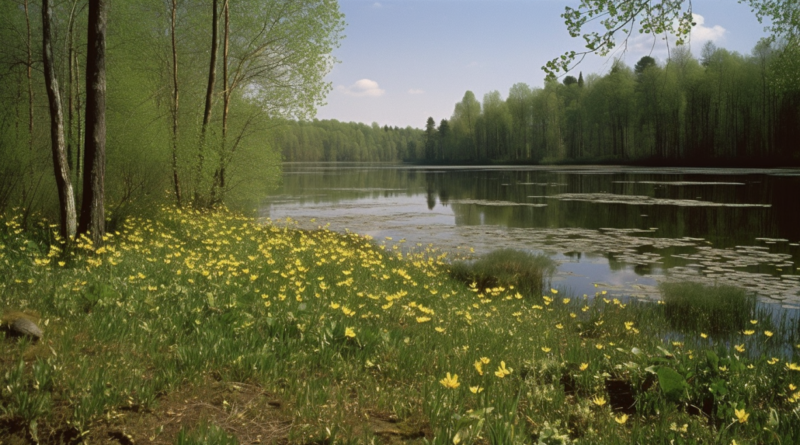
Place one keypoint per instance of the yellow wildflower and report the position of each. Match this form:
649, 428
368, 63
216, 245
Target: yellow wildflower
502, 371
450, 382
741, 415
349, 332
621, 419
584, 366
599, 400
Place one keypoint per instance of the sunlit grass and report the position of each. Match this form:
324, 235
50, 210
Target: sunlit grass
525, 271
715, 309
342, 330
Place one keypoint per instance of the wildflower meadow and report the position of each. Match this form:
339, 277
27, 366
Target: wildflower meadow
211, 327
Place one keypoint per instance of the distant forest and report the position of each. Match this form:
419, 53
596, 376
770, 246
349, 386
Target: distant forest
334, 141
723, 109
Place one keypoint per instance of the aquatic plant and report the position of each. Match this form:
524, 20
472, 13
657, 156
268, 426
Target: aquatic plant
525, 271
714, 309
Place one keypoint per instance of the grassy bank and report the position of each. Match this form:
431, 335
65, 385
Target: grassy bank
211, 328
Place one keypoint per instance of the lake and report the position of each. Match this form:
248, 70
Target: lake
619, 229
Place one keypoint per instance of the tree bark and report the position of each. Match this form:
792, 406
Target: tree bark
92, 220
66, 196
29, 66
71, 94
175, 180
212, 73
219, 176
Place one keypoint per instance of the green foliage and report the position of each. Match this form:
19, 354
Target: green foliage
525, 271
601, 22
716, 309
324, 335
672, 384
278, 57
673, 112
334, 141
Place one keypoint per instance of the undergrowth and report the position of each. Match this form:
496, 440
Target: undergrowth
194, 326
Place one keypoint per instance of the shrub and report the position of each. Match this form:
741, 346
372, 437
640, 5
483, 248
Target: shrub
506, 267
710, 309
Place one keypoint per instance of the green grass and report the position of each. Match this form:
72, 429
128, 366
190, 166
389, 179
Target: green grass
714, 309
192, 325
524, 271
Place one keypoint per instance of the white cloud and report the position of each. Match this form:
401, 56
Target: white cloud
362, 88
415, 91
649, 45
702, 34
376, 5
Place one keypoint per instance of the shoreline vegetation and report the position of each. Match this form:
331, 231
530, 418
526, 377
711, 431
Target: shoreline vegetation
210, 327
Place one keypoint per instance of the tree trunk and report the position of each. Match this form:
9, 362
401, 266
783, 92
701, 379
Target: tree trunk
94, 155
175, 180
29, 66
66, 196
71, 94
226, 100
212, 73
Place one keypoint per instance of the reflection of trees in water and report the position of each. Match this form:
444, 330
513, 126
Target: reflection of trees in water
430, 190
723, 226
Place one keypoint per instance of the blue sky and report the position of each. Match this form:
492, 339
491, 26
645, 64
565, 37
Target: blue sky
404, 60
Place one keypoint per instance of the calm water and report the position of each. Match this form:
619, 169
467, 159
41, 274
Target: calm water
620, 228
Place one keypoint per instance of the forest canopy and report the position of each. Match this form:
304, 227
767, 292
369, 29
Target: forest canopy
195, 91
724, 109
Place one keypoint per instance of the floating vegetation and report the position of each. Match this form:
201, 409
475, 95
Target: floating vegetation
611, 198
678, 183
366, 189
543, 184
483, 202
639, 248
631, 250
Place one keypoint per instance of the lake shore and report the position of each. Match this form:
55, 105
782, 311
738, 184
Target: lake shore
211, 325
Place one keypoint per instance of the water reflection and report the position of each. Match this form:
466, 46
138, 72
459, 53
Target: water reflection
637, 224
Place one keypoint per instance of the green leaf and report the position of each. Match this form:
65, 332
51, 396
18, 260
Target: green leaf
713, 360
672, 384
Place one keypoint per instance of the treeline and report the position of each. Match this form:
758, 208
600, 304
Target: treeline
334, 141
195, 89
723, 109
